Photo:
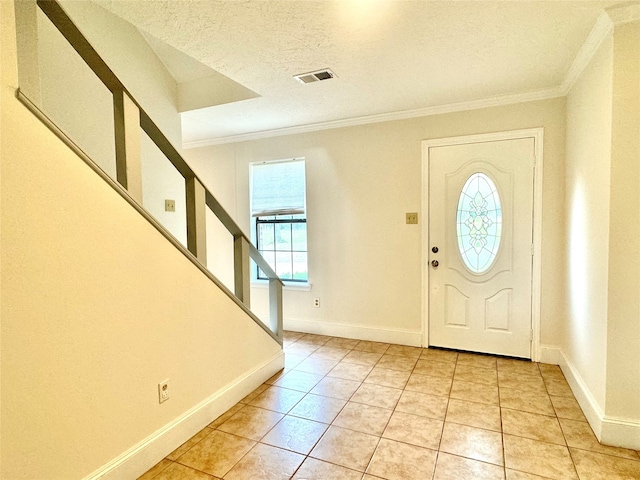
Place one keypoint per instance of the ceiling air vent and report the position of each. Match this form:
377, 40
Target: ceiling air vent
317, 76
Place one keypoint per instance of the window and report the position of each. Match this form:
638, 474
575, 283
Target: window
479, 223
280, 220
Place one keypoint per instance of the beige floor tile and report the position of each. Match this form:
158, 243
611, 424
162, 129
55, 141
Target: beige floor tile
154, 471
579, 435
404, 351
226, 415
520, 381
336, 388
291, 335
474, 414
318, 408
476, 360
439, 355
520, 367
363, 358
254, 394
296, 434
251, 422
301, 381
471, 442
397, 362
532, 425
350, 371
316, 339
265, 461
450, 467
373, 347
550, 371
291, 360
558, 387
338, 342
313, 469
300, 348
277, 399
275, 377
217, 453
377, 395
474, 374
567, 407
429, 385
422, 404
434, 369
363, 418
182, 449
388, 378
533, 402
415, 430
539, 458
475, 392
346, 448
399, 461
516, 475
330, 353
319, 366
181, 472
596, 466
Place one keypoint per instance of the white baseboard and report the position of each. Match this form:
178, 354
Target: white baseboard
550, 354
141, 457
585, 398
621, 432
617, 432
360, 332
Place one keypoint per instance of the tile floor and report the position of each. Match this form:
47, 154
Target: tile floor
346, 409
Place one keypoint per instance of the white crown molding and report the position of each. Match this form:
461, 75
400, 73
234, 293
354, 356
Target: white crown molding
599, 32
544, 94
617, 15
625, 13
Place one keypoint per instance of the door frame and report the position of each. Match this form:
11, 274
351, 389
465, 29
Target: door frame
538, 135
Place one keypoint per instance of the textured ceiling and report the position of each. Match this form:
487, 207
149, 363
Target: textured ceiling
389, 56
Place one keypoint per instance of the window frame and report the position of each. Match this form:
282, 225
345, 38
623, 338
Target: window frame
277, 218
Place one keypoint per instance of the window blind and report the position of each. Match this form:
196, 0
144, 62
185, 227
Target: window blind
278, 188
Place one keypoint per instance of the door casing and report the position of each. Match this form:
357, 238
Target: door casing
537, 134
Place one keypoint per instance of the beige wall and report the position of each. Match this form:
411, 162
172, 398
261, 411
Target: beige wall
364, 261
623, 341
602, 330
588, 185
97, 308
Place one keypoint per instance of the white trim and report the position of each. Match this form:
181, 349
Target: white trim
288, 286
620, 432
537, 134
358, 332
585, 398
497, 101
141, 457
599, 32
614, 431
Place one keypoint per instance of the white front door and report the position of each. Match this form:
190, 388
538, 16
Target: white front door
481, 245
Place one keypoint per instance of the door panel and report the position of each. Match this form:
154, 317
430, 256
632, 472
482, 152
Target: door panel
482, 303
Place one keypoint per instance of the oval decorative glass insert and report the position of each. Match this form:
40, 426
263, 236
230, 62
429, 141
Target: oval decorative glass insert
479, 223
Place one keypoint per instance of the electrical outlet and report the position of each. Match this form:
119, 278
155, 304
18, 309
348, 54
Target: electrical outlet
163, 390
169, 205
316, 302
412, 218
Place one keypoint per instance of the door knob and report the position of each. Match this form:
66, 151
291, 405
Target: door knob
434, 263
434, 249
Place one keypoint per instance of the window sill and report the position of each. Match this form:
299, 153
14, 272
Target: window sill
295, 286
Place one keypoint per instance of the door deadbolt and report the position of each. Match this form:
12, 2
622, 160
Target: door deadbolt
434, 249
434, 263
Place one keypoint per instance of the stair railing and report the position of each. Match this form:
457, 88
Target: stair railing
129, 118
